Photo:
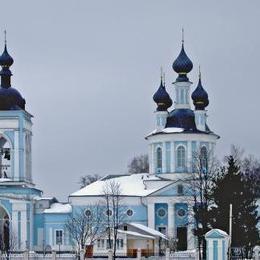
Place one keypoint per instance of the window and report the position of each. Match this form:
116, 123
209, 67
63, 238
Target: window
181, 212
161, 212
182, 96
112, 243
129, 213
180, 189
109, 212
181, 157
88, 212
159, 159
119, 243
204, 158
58, 237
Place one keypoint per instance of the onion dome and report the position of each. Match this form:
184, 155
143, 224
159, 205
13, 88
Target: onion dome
182, 118
200, 96
10, 98
182, 65
162, 98
5, 59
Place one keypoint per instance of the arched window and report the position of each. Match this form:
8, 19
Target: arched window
204, 158
181, 157
159, 159
5, 157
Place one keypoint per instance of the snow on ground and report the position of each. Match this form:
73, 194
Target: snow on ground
130, 185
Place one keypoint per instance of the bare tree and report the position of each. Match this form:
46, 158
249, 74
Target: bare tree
85, 226
139, 164
115, 212
88, 179
205, 168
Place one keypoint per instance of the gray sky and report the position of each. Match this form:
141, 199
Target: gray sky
88, 70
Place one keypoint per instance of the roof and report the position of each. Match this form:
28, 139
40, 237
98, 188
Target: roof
216, 233
46, 198
59, 208
135, 234
148, 230
179, 130
130, 185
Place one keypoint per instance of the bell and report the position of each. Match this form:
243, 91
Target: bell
7, 154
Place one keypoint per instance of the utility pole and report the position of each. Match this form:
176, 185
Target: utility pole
230, 229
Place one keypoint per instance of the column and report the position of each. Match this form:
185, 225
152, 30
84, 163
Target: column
171, 220
24, 229
164, 157
19, 223
16, 156
190, 235
150, 215
172, 157
151, 159
14, 226
189, 153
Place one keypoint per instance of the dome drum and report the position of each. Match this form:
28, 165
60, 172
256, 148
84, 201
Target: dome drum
182, 118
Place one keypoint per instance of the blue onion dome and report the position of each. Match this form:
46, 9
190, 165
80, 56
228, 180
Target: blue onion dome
182, 65
10, 98
200, 97
182, 118
5, 59
162, 98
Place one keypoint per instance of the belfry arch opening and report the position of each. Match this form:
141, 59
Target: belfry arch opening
5, 158
4, 230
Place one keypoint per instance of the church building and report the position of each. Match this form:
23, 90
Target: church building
160, 200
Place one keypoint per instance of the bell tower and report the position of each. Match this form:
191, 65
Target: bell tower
17, 191
15, 128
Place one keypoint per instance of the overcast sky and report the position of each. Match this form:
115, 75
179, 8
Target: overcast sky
88, 70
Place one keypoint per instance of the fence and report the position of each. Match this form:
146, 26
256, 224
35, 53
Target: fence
186, 255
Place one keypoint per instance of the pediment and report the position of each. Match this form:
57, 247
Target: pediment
216, 233
171, 190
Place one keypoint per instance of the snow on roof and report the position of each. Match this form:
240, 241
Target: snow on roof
45, 198
221, 232
59, 208
136, 234
5, 179
168, 130
148, 230
130, 185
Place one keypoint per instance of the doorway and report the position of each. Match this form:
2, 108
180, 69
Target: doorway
182, 238
162, 245
4, 231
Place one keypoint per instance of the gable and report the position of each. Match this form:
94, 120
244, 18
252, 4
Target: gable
172, 190
215, 233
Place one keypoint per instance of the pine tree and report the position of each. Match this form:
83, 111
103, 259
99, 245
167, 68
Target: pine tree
230, 187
